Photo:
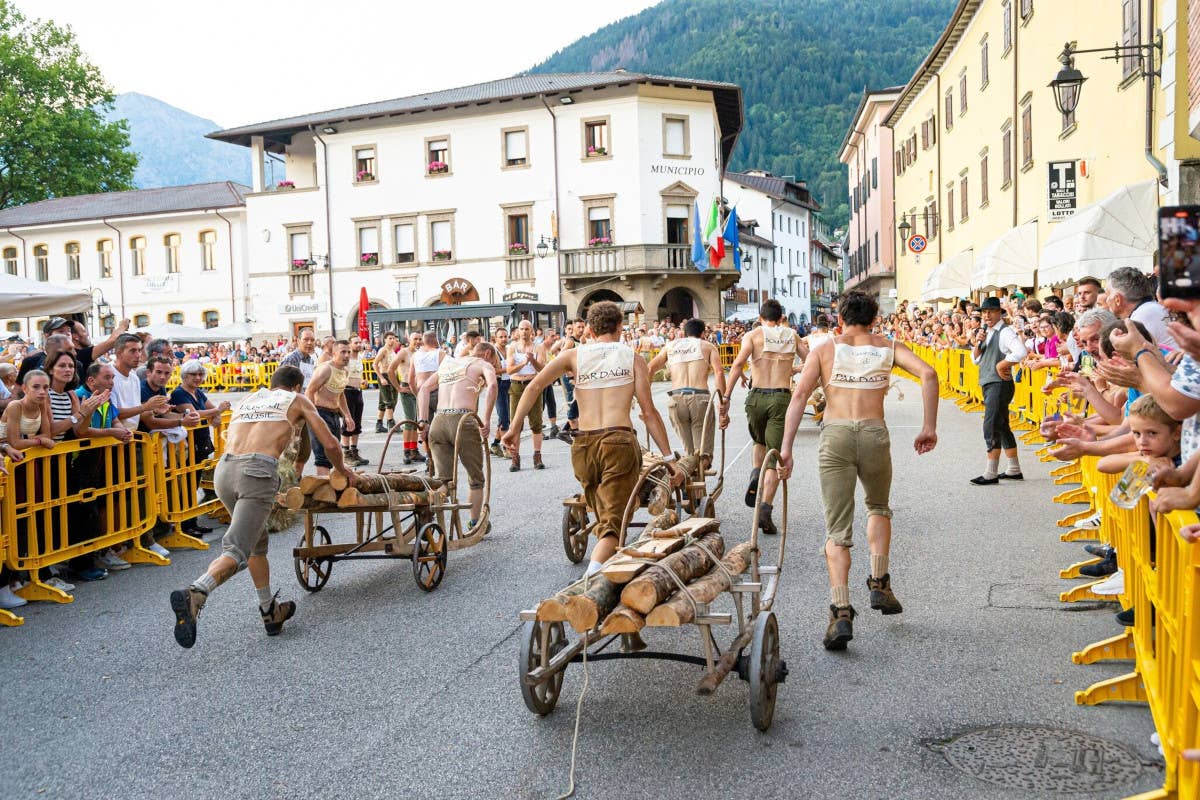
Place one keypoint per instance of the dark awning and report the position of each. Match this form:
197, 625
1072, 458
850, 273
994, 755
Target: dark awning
464, 311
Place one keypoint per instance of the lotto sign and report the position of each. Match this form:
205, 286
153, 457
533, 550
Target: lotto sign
917, 243
1061, 197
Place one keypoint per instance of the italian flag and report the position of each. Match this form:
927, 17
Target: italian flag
712, 235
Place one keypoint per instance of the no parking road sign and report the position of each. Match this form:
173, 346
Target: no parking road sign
917, 243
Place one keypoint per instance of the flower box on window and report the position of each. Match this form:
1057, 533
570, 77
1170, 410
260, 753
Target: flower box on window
596, 151
299, 263
441, 255
363, 176
438, 167
600, 241
285, 185
518, 249
369, 259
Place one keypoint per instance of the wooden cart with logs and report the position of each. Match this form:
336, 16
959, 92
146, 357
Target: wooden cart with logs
694, 497
668, 578
397, 515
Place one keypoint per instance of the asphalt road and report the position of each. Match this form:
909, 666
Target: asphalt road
377, 689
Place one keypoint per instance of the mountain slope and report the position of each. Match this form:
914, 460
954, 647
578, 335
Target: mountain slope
802, 66
171, 147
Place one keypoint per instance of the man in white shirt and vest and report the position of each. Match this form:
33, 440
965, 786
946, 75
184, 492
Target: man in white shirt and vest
998, 348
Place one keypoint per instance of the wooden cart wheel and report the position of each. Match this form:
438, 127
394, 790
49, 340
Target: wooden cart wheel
541, 699
574, 532
429, 556
707, 509
764, 663
313, 573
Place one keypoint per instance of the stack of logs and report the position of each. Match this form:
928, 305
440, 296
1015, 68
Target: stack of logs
385, 491
628, 593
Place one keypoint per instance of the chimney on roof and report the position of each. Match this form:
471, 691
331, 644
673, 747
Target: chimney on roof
762, 173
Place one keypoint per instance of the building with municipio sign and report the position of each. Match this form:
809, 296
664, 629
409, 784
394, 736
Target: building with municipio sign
569, 188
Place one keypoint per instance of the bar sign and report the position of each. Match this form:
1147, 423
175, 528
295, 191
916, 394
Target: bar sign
1062, 197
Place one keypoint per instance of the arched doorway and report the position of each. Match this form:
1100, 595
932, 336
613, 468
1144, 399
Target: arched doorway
352, 318
677, 305
596, 297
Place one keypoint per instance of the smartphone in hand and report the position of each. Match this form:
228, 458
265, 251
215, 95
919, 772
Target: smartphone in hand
1179, 251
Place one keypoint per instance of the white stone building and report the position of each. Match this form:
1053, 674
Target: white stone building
784, 210
176, 254
446, 197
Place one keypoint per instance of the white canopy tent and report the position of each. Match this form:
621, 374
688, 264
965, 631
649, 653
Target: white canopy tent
184, 334
21, 297
233, 332
1010, 260
1120, 230
949, 279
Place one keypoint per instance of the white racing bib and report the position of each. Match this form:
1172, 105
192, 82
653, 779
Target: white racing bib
603, 365
265, 405
779, 339
682, 351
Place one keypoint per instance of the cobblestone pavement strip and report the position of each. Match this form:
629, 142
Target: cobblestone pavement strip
378, 689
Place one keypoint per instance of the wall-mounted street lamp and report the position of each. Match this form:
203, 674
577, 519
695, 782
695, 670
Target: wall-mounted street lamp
103, 309
930, 218
547, 246
1068, 83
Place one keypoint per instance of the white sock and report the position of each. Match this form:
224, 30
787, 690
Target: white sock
265, 595
1014, 466
993, 468
594, 567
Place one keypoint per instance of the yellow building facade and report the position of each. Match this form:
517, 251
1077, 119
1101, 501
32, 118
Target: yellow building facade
979, 143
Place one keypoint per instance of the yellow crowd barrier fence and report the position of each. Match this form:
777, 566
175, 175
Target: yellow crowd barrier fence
86, 495
1162, 576
250, 376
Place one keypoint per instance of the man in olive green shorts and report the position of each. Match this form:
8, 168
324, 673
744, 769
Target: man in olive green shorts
387, 392
771, 350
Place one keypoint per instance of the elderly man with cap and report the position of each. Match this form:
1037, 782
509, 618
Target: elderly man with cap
997, 349
79, 345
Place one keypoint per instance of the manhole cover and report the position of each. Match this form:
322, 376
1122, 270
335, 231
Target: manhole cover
1044, 759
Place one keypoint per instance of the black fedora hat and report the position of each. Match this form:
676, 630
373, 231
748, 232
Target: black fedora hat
990, 304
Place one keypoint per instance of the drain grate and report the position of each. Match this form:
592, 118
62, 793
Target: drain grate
1039, 758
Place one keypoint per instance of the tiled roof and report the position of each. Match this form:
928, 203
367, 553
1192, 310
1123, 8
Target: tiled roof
774, 186
279, 132
111, 205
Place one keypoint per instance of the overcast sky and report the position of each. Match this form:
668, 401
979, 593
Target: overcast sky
242, 61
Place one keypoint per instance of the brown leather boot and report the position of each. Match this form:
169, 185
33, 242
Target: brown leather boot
537, 460
515, 466
841, 627
882, 598
279, 613
186, 603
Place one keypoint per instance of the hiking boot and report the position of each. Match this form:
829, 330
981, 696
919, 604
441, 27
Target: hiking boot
515, 466
356, 459
765, 523
882, 598
752, 490
841, 627
537, 460
418, 457
379, 426
279, 613
567, 434
497, 450
186, 603
553, 432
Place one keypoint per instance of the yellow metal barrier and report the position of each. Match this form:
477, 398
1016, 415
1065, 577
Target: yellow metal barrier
48, 486
1162, 583
7, 618
179, 478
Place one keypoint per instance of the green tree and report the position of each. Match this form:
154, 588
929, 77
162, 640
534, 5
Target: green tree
54, 140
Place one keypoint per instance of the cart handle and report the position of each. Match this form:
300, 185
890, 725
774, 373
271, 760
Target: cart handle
404, 423
772, 456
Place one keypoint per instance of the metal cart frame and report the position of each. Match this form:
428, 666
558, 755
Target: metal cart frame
546, 649
421, 533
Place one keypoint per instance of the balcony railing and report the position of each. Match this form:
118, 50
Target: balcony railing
300, 282
630, 258
519, 269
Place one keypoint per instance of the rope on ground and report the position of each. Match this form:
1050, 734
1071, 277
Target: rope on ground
575, 737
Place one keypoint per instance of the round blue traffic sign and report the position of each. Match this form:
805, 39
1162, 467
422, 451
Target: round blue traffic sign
917, 243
